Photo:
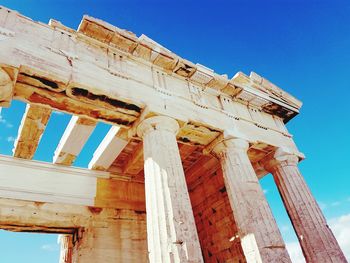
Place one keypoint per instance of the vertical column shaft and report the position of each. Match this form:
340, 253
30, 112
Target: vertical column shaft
316, 239
171, 229
66, 242
260, 236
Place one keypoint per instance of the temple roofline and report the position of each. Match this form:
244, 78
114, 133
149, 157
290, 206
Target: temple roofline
252, 89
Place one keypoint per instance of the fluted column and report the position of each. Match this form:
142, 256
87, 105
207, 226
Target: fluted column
171, 229
66, 242
260, 237
316, 239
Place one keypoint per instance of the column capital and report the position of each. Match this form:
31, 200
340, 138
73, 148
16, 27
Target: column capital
316, 238
281, 157
261, 239
157, 123
233, 144
168, 206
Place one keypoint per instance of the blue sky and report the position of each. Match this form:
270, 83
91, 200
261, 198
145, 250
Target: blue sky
302, 46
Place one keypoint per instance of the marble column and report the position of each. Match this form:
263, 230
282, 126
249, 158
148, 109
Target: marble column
316, 239
260, 237
171, 229
66, 242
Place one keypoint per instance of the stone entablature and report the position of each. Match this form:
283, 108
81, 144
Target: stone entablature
54, 66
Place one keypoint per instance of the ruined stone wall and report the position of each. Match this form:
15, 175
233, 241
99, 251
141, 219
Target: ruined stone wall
214, 220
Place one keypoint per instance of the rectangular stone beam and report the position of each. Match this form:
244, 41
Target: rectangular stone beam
45, 182
32, 127
73, 140
109, 149
21, 215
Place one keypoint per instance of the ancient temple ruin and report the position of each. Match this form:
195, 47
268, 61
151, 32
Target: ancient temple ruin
176, 179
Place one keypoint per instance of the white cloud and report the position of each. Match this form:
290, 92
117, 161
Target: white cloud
10, 139
295, 252
322, 205
265, 191
58, 112
285, 229
5, 122
337, 203
50, 247
341, 229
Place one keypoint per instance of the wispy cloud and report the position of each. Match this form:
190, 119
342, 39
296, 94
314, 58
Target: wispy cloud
341, 229
50, 247
337, 203
322, 205
58, 112
295, 252
265, 191
10, 139
285, 228
5, 122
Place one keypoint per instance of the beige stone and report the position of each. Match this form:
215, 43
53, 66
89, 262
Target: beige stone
32, 127
73, 140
